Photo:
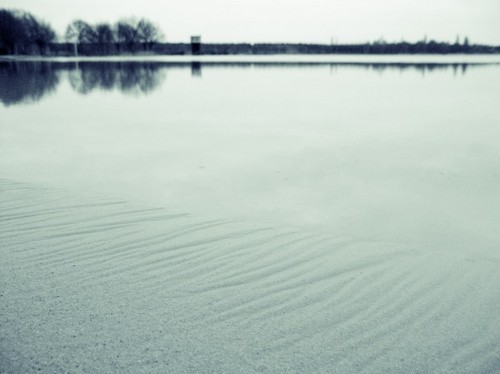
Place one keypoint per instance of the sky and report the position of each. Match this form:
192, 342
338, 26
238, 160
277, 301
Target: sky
308, 21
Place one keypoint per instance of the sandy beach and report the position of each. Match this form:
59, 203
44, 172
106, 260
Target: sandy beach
91, 284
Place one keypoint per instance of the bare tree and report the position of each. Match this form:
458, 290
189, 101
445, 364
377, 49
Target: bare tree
80, 32
148, 33
87, 33
105, 37
126, 32
71, 36
39, 34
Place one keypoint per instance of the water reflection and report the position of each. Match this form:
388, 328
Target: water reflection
422, 68
22, 83
196, 69
27, 82
127, 77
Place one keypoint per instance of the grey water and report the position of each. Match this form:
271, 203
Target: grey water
401, 152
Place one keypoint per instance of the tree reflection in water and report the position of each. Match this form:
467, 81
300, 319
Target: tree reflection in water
22, 83
128, 77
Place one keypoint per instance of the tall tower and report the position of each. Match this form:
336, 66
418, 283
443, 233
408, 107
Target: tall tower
195, 44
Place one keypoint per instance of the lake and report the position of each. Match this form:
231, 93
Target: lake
389, 168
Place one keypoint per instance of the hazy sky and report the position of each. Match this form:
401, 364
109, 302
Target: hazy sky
287, 20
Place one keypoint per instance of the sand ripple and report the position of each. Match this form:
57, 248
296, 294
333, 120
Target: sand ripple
100, 285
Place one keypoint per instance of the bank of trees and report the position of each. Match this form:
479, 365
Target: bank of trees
23, 33
124, 36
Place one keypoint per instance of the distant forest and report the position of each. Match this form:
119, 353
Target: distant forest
21, 33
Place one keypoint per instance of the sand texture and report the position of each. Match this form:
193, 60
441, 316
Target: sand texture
93, 284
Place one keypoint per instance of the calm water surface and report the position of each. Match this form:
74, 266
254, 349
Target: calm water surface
401, 152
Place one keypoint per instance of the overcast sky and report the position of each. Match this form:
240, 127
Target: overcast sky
316, 21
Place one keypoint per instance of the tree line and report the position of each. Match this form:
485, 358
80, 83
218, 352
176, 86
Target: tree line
23, 33
123, 36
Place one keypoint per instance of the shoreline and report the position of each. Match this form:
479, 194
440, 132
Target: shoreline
279, 58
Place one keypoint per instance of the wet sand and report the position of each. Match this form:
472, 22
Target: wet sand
96, 284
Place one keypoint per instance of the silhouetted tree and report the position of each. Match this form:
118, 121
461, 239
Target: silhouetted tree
11, 32
21, 32
148, 33
39, 34
86, 34
126, 32
105, 37
80, 32
71, 36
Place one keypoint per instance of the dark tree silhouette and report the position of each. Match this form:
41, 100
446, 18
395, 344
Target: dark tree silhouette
80, 32
11, 32
21, 32
126, 32
148, 33
71, 36
39, 34
105, 37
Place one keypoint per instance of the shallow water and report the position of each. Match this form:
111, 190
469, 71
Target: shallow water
249, 217
399, 152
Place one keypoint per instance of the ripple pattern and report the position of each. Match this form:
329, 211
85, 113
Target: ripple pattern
101, 285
